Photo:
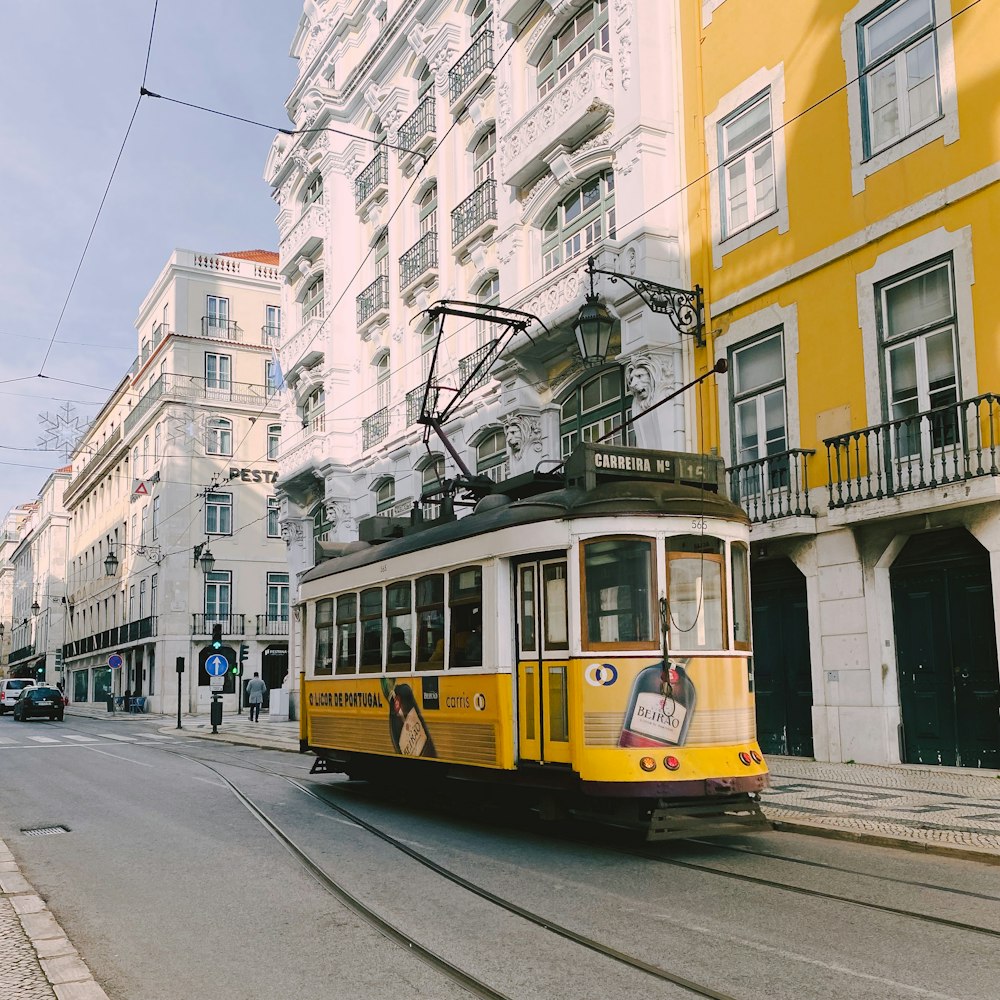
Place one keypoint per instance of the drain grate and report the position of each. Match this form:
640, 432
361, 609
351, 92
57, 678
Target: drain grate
44, 831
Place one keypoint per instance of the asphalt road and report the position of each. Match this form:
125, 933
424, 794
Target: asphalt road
172, 888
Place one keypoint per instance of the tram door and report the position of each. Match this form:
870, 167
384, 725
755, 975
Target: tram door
543, 661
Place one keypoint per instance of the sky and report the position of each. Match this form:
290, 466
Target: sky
70, 74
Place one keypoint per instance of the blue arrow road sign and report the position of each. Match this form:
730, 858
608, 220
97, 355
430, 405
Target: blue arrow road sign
114, 661
216, 665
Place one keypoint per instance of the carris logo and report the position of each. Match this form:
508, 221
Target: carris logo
601, 674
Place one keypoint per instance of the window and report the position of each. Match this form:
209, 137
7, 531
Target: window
277, 597
145, 454
488, 294
314, 411
314, 190
385, 495
219, 514
142, 598
218, 596
491, 456
131, 603
747, 175
153, 583
696, 592
430, 622
312, 300
157, 442
371, 630
272, 323
382, 255
399, 615
273, 441
741, 595
898, 64
155, 519
465, 600
757, 380
270, 377
586, 33
619, 585
347, 634
917, 321
481, 13
482, 157
322, 526
428, 210
432, 474
425, 83
218, 371
323, 663
217, 314
219, 436
580, 221
144, 519
273, 517
597, 407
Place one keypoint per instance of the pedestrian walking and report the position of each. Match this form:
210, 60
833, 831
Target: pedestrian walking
255, 695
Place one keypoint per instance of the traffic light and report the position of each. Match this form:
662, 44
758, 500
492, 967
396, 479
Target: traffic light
237, 668
244, 652
217, 636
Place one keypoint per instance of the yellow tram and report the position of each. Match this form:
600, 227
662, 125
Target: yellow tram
586, 637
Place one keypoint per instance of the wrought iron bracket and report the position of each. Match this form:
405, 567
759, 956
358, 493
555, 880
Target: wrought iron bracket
685, 309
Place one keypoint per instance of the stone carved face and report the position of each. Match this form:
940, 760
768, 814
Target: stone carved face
640, 383
515, 437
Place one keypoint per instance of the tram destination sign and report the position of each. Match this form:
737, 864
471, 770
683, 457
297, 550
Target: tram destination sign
593, 463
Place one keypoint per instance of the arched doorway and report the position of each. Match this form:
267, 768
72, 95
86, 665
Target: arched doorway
946, 651
782, 669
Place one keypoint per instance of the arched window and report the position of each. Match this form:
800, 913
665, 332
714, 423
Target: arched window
425, 83
385, 494
312, 301
595, 408
322, 525
491, 457
157, 440
586, 33
580, 221
314, 190
273, 441
481, 13
488, 293
482, 157
219, 437
432, 473
382, 384
145, 453
314, 411
382, 255
428, 210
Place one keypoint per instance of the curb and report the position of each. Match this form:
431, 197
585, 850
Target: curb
881, 840
236, 740
60, 963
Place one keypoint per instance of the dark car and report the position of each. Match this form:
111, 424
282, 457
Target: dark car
40, 701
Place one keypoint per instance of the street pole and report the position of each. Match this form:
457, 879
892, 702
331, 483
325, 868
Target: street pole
180, 674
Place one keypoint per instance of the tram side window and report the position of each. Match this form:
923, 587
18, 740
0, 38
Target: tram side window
465, 598
324, 638
527, 597
430, 622
741, 596
696, 592
398, 609
371, 631
618, 592
556, 609
347, 634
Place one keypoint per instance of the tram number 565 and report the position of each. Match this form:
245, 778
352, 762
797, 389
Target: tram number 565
699, 524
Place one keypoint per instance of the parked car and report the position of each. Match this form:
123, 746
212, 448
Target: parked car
10, 691
40, 701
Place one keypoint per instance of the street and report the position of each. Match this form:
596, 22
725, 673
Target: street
171, 883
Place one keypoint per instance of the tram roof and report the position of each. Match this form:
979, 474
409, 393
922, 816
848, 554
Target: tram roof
613, 498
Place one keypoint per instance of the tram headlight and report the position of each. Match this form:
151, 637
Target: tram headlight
757, 759
745, 758
647, 764
671, 763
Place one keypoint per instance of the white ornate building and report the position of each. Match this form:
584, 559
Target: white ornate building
475, 151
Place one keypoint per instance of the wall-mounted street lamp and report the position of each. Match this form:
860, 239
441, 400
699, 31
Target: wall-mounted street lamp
682, 307
36, 607
203, 557
152, 552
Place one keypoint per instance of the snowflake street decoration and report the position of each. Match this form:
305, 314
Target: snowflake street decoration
62, 430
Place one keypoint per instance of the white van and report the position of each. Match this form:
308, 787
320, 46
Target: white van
10, 691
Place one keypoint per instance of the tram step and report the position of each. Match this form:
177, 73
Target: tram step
704, 819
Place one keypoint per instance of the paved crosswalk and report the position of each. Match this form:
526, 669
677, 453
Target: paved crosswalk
21, 740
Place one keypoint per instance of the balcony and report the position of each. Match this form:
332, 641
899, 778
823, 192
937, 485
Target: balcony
231, 624
304, 238
270, 336
373, 181
21, 654
112, 638
475, 217
470, 69
272, 624
184, 388
375, 428
416, 134
471, 362
875, 469
564, 117
419, 263
216, 328
773, 487
160, 331
373, 303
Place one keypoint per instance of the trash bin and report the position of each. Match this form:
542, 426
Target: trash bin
111, 702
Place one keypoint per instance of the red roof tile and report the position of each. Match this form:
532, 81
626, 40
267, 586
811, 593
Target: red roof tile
260, 256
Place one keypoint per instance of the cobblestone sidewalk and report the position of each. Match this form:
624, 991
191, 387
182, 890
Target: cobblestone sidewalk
37, 961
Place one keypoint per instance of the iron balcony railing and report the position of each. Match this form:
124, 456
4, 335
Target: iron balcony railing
270, 334
468, 365
112, 638
272, 624
476, 58
415, 399
420, 258
419, 125
947, 444
160, 331
220, 329
182, 388
373, 299
773, 487
375, 428
22, 653
372, 177
479, 207
202, 624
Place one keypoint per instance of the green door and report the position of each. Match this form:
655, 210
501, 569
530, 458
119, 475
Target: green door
946, 652
782, 670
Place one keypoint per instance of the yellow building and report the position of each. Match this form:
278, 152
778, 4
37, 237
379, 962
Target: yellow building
844, 160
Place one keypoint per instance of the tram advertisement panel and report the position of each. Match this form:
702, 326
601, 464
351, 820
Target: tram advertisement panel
456, 718
697, 701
